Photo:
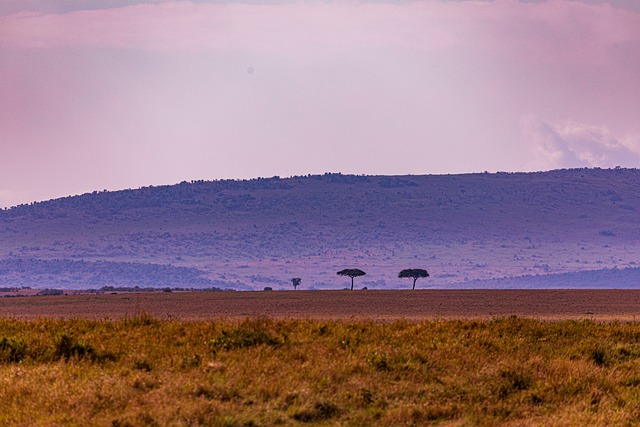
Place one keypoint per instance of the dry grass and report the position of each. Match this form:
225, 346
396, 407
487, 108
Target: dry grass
144, 371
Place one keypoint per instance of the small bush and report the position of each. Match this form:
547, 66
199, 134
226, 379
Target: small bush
66, 347
367, 396
320, 411
378, 361
599, 356
513, 380
12, 350
217, 393
248, 334
142, 365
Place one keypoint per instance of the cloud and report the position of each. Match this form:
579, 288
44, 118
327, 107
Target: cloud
622, 4
571, 144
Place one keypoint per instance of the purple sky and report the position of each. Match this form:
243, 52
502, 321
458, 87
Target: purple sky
110, 94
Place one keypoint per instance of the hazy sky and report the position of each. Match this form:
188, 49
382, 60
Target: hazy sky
111, 94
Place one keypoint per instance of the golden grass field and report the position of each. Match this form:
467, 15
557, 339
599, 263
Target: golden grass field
448, 358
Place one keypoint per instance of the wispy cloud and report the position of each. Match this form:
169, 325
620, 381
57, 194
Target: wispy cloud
62, 6
572, 144
556, 31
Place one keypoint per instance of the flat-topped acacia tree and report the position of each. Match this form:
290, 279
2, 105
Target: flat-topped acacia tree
414, 273
296, 282
351, 272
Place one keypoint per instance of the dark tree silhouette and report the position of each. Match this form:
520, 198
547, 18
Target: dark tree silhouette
414, 273
351, 272
296, 282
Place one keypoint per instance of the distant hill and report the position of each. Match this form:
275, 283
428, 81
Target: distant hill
96, 274
254, 233
624, 278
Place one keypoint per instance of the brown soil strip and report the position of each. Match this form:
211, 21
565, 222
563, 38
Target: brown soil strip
602, 305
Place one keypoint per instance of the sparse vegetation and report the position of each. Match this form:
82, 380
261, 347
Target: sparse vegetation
146, 371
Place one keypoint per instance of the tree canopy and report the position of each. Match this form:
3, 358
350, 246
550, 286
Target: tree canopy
351, 272
414, 273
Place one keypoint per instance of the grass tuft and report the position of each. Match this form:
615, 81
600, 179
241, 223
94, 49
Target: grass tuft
140, 319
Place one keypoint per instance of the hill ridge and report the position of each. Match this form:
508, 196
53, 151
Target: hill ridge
261, 232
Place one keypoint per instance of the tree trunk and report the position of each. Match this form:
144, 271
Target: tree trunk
414, 282
352, 283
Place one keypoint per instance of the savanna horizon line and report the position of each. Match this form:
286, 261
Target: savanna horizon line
297, 176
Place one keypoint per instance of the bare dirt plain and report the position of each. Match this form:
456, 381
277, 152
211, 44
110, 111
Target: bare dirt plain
600, 305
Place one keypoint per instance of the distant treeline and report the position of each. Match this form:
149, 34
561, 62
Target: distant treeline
165, 289
70, 274
197, 192
189, 192
110, 289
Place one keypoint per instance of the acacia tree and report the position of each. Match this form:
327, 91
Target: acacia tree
351, 272
414, 273
296, 282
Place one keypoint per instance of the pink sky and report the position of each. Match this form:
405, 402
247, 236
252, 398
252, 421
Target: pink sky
131, 93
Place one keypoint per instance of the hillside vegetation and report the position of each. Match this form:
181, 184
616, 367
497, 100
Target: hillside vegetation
262, 232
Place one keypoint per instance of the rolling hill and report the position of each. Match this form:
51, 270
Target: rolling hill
467, 230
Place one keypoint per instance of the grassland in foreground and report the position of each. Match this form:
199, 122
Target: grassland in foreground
144, 371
